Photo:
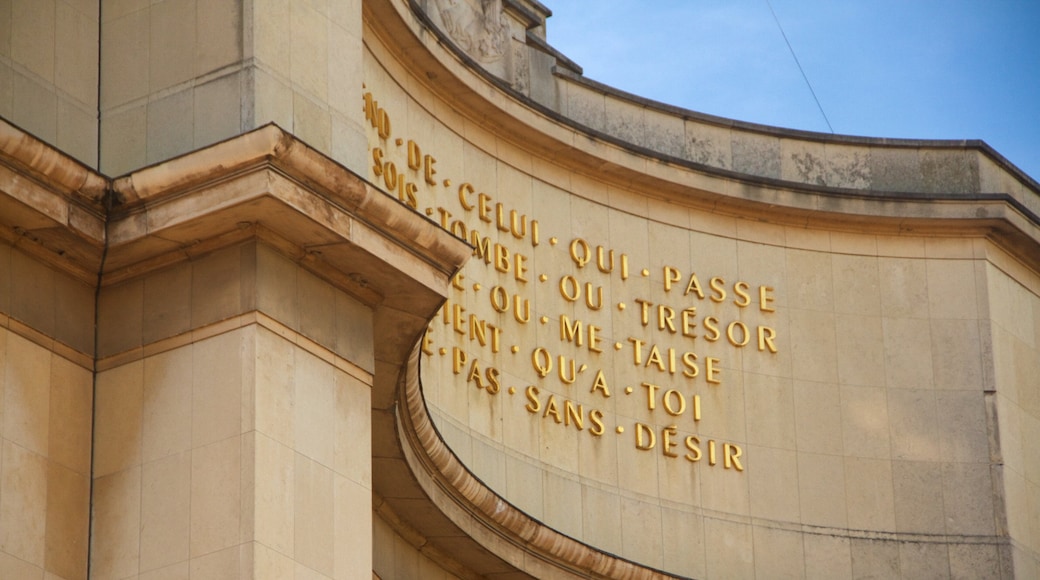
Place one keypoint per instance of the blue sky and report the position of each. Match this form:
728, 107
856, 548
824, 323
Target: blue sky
923, 69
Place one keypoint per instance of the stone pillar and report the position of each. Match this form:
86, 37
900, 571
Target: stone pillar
256, 299
177, 75
232, 423
49, 72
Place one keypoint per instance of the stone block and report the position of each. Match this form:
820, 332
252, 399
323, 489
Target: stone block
123, 140
821, 490
773, 484
167, 404
919, 509
600, 514
23, 503
756, 154
217, 388
117, 419
778, 553
116, 541
914, 424
865, 422
27, 396
314, 512
170, 130
220, 28
274, 495
172, 44
218, 109
70, 415
32, 36
165, 511
76, 54
35, 107
729, 548
216, 494
124, 57
869, 493
827, 557
860, 347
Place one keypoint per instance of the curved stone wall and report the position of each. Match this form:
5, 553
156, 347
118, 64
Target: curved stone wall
706, 347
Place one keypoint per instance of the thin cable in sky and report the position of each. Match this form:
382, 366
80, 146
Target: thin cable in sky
800, 69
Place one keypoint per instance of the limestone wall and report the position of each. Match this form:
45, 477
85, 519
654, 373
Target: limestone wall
45, 422
711, 348
178, 75
49, 72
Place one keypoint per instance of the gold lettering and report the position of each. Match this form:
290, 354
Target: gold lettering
765, 299
689, 360
552, 408
580, 252
731, 456
651, 395
645, 316
533, 405
692, 443
520, 263
499, 297
666, 440
595, 340
483, 209
647, 442
694, 285
605, 268
674, 409
712, 373
464, 190
474, 375
517, 224
600, 384
377, 161
501, 258
428, 170
458, 359
569, 288
572, 413
445, 216
481, 246
427, 342
655, 358
414, 155
665, 316
637, 350
571, 332
717, 285
458, 324
765, 338
688, 323
711, 323
541, 360
477, 329
596, 418
598, 304
563, 370
671, 275
500, 218
744, 334
743, 298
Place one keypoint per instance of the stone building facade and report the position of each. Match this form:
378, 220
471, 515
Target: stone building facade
387, 288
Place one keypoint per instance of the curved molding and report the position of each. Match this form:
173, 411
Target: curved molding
485, 516
955, 187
